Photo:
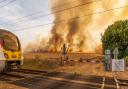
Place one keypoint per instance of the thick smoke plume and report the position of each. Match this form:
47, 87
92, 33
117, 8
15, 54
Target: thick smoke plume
70, 30
77, 24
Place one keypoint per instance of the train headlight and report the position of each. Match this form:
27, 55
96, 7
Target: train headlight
6, 55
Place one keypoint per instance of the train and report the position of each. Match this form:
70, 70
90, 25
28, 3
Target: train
10, 51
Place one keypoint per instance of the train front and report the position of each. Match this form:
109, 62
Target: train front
10, 51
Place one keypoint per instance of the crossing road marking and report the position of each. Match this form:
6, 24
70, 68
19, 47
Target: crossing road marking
103, 83
117, 82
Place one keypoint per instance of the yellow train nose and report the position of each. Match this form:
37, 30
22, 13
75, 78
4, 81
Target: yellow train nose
19, 56
14, 56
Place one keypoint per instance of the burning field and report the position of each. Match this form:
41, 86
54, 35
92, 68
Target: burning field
54, 59
51, 62
80, 24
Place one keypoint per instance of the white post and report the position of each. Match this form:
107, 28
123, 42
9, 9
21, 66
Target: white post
107, 60
116, 53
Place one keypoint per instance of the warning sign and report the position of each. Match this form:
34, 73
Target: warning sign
118, 65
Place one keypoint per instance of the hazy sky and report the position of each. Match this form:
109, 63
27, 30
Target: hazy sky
26, 28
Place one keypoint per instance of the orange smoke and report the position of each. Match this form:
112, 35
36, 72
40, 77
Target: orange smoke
83, 33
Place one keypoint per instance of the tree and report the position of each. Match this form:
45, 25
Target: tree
116, 35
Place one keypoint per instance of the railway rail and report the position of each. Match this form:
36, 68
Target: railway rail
31, 71
61, 79
12, 75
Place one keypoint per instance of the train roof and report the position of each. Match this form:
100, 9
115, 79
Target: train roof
2, 31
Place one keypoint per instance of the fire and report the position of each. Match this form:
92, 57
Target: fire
83, 34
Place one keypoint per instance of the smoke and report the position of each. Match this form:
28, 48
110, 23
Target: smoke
71, 28
76, 24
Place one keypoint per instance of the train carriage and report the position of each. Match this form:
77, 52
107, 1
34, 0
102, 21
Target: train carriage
10, 51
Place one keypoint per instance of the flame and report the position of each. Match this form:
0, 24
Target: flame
83, 34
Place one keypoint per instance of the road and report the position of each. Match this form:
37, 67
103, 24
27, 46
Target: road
64, 81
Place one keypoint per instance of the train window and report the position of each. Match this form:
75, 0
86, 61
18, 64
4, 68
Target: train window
9, 42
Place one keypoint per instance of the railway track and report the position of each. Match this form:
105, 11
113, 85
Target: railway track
31, 71
38, 72
115, 82
15, 72
9, 77
12, 75
59, 80
62, 81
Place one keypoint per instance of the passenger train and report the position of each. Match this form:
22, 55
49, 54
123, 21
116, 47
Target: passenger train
10, 51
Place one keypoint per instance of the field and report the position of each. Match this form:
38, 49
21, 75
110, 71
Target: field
72, 56
52, 62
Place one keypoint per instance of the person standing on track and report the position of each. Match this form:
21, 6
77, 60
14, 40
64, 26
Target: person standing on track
64, 50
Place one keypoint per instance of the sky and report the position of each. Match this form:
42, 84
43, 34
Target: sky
25, 18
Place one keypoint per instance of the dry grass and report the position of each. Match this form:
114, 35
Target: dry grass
51, 62
72, 56
39, 64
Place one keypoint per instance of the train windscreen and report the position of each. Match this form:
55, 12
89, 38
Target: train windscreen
10, 41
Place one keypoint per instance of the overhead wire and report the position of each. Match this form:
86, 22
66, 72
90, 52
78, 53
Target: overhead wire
7, 3
3, 1
41, 11
56, 11
112, 9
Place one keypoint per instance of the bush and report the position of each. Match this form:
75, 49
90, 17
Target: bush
116, 35
126, 58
